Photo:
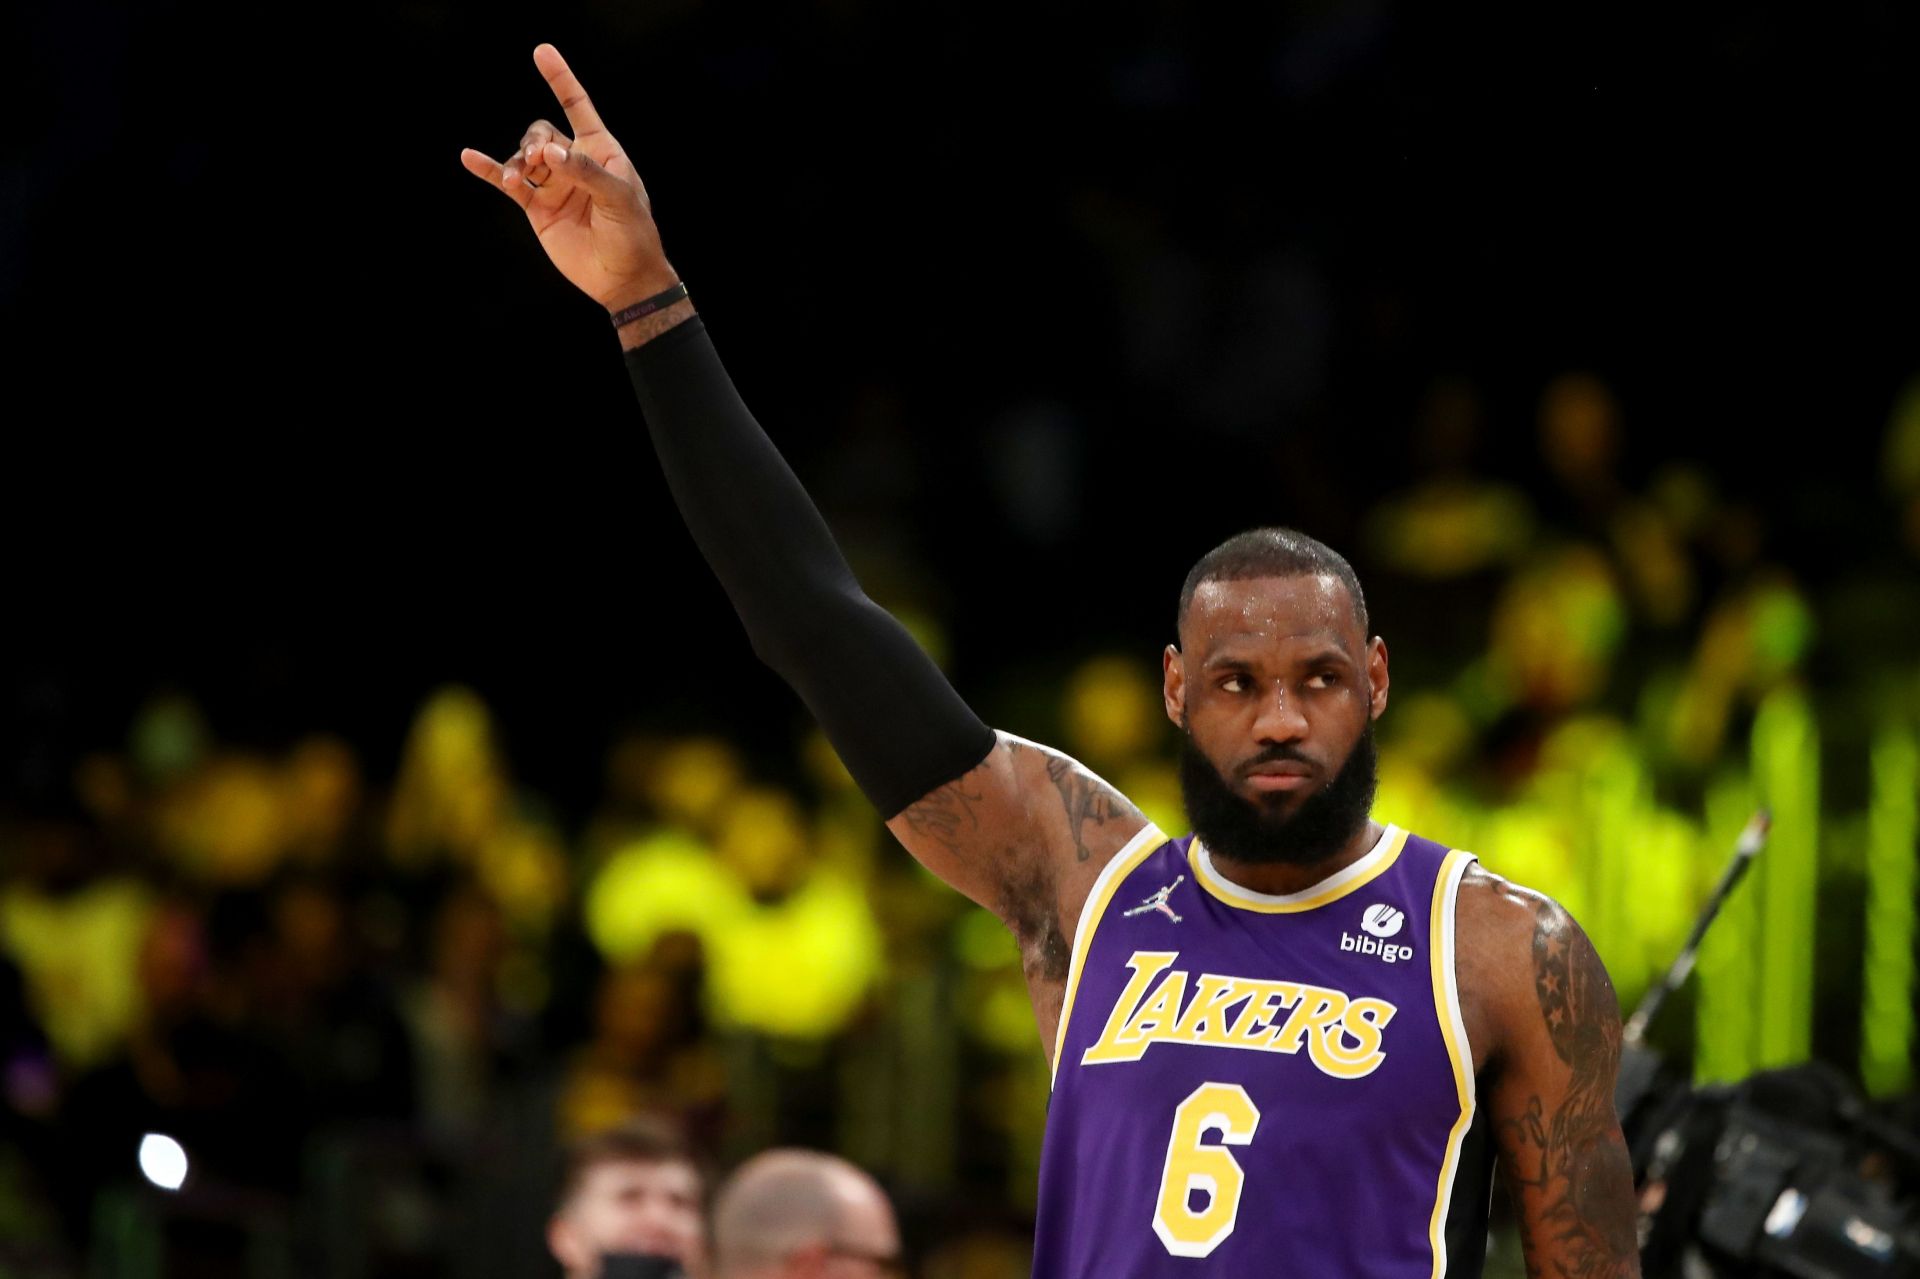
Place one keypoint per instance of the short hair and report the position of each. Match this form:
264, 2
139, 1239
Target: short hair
779, 1201
643, 1139
1271, 552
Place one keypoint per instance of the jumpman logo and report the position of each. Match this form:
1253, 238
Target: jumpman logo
1157, 902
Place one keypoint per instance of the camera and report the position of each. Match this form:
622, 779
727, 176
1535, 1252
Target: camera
1788, 1173
636, 1265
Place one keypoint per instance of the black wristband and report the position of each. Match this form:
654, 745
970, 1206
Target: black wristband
627, 315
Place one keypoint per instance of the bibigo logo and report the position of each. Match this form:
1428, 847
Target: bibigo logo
1382, 921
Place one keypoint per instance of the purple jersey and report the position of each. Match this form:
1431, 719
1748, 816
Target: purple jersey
1247, 1084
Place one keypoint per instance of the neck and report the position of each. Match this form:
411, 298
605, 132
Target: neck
1278, 879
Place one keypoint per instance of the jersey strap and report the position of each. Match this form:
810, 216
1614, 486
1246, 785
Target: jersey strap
1135, 851
1446, 998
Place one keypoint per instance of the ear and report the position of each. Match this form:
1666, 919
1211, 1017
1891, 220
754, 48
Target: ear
564, 1243
1173, 683
1377, 674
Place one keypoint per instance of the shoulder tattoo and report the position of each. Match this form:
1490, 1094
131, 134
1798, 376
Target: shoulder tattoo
1086, 799
948, 814
1573, 1158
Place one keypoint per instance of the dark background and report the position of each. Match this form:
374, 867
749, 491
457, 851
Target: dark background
1042, 302
302, 419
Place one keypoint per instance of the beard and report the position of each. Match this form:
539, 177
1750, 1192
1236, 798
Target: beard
1258, 833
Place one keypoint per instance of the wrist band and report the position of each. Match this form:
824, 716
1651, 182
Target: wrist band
627, 315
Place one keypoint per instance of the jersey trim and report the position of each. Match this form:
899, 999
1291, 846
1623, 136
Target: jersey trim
1118, 867
1331, 889
1453, 1029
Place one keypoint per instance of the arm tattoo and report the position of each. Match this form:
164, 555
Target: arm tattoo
948, 814
1574, 1159
1085, 798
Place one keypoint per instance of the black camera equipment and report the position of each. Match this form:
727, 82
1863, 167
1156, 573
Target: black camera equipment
635, 1265
1788, 1173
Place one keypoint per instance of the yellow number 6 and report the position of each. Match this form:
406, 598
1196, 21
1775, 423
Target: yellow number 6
1212, 1170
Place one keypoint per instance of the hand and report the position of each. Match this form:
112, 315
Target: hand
582, 197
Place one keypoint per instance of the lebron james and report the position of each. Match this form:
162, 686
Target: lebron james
1294, 1042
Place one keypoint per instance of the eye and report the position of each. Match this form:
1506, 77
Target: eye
1234, 684
1323, 679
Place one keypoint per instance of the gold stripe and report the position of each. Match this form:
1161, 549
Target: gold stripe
1226, 894
1441, 956
1151, 838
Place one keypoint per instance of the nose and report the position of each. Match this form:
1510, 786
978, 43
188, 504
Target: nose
650, 1226
656, 1222
1279, 719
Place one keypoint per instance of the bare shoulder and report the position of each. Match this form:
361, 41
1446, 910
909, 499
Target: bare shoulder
1024, 832
1088, 819
1527, 972
1553, 1053
1495, 919
1081, 821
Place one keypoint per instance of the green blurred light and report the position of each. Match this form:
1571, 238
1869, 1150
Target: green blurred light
1886, 1006
983, 943
1612, 796
1786, 766
665, 881
1725, 1033
1782, 628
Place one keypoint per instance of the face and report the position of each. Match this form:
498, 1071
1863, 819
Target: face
1276, 687
651, 1208
863, 1243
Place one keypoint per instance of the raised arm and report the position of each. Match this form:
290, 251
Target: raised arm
1010, 825
1549, 1079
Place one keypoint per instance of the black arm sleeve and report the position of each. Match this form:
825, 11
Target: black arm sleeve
897, 723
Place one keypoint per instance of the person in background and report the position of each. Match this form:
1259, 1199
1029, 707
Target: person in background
630, 1190
800, 1214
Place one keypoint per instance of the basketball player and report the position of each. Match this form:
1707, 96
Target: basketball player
1282, 1045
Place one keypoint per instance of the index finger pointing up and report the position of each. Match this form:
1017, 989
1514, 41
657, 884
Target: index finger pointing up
573, 99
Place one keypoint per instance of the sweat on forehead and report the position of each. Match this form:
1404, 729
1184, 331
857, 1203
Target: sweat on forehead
1272, 553
1274, 607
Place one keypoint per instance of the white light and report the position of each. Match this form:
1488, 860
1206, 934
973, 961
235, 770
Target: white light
164, 1162
1786, 1213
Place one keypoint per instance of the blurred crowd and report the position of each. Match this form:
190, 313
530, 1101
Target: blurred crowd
316, 984
369, 1008
1040, 308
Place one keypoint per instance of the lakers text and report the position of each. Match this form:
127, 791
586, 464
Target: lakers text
1343, 1035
